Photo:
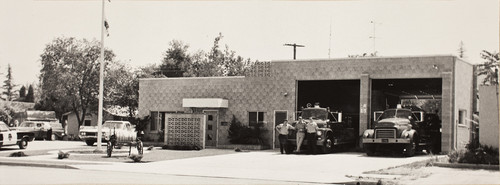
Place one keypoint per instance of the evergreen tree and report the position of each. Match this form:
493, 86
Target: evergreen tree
8, 85
22, 92
30, 97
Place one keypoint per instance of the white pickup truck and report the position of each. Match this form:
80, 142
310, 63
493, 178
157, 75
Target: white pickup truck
9, 137
123, 130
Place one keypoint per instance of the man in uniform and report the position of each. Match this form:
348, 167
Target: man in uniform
282, 130
312, 128
301, 132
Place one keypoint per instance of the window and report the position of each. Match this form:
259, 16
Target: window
87, 123
462, 114
162, 120
154, 121
210, 117
255, 117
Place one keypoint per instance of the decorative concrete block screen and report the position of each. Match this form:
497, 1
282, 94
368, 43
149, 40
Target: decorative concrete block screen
185, 130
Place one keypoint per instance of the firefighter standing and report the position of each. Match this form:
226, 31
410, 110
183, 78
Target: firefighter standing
312, 128
282, 129
301, 132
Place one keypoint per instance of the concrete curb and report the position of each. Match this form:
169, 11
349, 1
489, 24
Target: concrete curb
470, 166
36, 164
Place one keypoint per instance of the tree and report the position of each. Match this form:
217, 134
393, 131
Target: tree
69, 78
8, 85
123, 88
30, 96
22, 92
175, 60
489, 68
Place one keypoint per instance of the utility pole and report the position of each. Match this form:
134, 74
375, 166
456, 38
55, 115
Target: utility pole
294, 48
101, 84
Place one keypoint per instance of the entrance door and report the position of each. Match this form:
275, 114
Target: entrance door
279, 117
211, 127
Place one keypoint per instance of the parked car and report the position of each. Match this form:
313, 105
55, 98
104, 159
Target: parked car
123, 130
41, 129
9, 137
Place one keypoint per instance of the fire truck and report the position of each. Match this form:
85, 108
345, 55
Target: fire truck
403, 129
331, 131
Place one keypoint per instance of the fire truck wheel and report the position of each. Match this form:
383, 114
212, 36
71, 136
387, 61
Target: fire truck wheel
24, 143
328, 145
369, 149
410, 148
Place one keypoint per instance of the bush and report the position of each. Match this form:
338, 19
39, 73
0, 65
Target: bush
242, 134
475, 153
17, 154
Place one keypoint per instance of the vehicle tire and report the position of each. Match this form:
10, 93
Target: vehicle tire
24, 143
140, 147
89, 143
370, 149
53, 137
410, 148
328, 145
109, 149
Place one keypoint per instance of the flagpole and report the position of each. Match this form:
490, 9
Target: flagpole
101, 85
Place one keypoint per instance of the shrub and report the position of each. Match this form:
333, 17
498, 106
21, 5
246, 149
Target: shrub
242, 134
62, 155
136, 158
475, 153
18, 154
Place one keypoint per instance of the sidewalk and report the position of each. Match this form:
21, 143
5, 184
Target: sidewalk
270, 165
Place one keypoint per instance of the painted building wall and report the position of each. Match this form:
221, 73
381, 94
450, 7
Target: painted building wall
463, 89
488, 116
263, 89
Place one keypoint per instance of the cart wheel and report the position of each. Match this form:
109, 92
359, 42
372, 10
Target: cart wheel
109, 149
140, 147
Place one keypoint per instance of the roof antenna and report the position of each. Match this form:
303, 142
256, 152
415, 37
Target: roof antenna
330, 42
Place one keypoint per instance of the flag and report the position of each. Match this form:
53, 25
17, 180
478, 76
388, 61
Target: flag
106, 25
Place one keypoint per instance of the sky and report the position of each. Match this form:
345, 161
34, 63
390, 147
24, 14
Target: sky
141, 30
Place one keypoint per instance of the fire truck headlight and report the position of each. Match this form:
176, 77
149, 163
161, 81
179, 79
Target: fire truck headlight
406, 135
319, 133
366, 134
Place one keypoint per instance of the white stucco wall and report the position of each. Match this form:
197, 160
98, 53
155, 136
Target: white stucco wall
488, 115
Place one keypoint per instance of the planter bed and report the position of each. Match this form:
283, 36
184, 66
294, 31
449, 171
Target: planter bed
465, 165
244, 147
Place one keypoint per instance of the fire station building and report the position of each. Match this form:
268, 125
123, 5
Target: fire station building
276, 90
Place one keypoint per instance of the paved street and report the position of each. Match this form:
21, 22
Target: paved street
71, 176
266, 165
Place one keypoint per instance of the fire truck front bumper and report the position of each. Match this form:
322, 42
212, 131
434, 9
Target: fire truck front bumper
386, 140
